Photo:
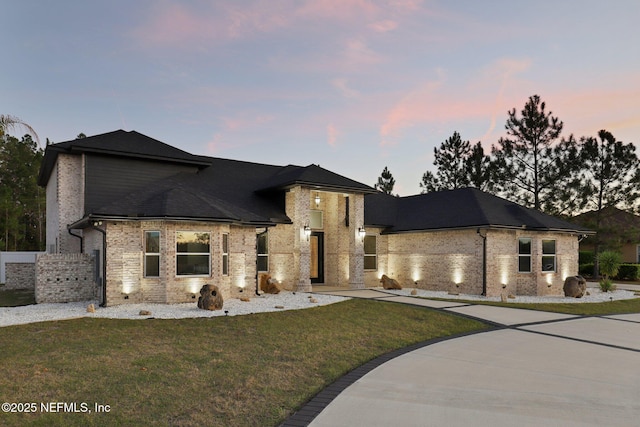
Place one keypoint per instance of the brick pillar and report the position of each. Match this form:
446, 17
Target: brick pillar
298, 210
356, 244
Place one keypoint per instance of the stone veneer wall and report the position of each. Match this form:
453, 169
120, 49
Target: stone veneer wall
20, 275
125, 263
451, 261
64, 278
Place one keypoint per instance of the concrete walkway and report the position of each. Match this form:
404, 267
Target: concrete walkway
534, 369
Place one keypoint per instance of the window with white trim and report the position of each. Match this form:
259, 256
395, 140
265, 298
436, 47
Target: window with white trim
524, 255
225, 254
193, 253
638, 249
151, 254
548, 256
370, 252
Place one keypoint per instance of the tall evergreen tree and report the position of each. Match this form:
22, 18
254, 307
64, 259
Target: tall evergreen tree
526, 162
609, 178
458, 165
386, 182
22, 202
478, 166
449, 159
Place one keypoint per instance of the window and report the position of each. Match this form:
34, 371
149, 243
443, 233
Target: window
638, 248
316, 220
524, 255
549, 255
151, 254
263, 252
225, 254
193, 256
370, 253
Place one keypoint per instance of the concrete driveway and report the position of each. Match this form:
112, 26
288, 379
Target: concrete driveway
540, 369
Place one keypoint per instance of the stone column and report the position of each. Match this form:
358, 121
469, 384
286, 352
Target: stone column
298, 210
356, 244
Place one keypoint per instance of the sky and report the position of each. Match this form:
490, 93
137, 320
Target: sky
352, 85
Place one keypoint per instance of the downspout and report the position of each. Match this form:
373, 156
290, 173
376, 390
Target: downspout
79, 237
484, 262
94, 225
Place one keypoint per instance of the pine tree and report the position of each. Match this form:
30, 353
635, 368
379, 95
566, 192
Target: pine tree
385, 182
525, 161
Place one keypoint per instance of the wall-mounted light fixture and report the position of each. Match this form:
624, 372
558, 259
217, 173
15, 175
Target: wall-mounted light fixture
317, 200
362, 232
96, 223
307, 231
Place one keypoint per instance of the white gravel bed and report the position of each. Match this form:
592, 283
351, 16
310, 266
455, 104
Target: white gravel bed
595, 295
232, 307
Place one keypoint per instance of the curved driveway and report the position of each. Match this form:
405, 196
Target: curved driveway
537, 369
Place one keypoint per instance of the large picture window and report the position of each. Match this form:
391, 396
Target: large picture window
263, 252
193, 255
548, 255
370, 253
151, 254
524, 255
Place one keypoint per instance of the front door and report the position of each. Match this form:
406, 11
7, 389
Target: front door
317, 257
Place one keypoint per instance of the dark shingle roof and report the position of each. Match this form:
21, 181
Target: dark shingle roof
121, 143
316, 177
454, 209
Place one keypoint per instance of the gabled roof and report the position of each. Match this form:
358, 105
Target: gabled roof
316, 177
119, 143
456, 209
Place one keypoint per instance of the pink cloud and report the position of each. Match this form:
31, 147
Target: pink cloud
383, 26
332, 135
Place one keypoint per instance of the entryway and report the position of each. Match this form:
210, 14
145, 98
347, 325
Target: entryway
317, 257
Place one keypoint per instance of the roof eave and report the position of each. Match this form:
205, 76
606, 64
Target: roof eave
89, 220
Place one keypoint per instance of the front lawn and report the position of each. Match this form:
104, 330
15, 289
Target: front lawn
250, 370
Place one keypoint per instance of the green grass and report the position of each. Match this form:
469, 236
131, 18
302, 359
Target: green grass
250, 370
14, 298
584, 309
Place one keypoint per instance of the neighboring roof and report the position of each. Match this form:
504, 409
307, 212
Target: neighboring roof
615, 224
456, 209
316, 177
118, 143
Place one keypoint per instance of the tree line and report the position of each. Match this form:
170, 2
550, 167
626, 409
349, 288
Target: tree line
533, 165
22, 201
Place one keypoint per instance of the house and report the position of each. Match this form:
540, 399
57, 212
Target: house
618, 230
132, 219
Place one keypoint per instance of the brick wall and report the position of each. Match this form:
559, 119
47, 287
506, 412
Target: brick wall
125, 262
65, 202
64, 278
20, 275
451, 261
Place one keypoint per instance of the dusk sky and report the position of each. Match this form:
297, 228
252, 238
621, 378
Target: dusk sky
351, 85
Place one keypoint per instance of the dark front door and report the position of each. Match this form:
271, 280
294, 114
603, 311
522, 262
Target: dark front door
317, 257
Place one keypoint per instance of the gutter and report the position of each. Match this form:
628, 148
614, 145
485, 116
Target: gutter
94, 225
484, 260
79, 237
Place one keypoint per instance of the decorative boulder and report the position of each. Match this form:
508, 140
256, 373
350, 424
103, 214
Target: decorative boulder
389, 283
574, 287
210, 298
269, 285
